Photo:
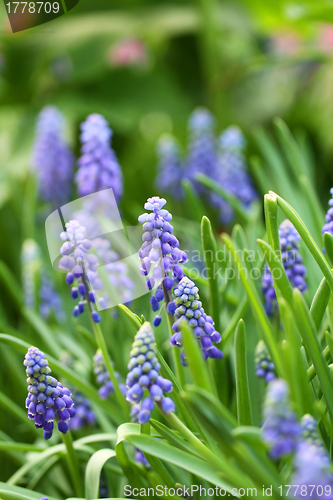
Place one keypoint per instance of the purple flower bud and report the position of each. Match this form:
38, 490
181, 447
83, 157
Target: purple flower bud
69, 278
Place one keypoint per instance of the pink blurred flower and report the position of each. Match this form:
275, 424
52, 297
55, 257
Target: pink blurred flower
325, 38
288, 43
128, 52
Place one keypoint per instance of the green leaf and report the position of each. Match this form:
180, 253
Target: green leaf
127, 466
328, 244
194, 358
233, 200
232, 323
278, 272
209, 248
11, 284
311, 342
179, 458
270, 205
257, 306
293, 358
307, 238
244, 407
42, 328
320, 302
134, 319
11, 492
174, 438
93, 471
9, 406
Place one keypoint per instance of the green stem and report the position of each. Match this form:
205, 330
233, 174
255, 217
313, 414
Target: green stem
103, 347
179, 369
73, 464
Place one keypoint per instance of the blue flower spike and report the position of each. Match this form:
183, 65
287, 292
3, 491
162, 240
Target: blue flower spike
188, 307
159, 254
80, 266
98, 165
292, 263
264, 365
145, 386
52, 159
281, 430
48, 401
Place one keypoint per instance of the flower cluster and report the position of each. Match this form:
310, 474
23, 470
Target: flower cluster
202, 154
281, 429
188, 307
220, 159
292, 263
47, 399
84, 413
309, 431
52, 160
170, 167
49, 300
264, 366
80, 265
313, 470
98, 165
103, 377
231, 174
144, 376
159, 253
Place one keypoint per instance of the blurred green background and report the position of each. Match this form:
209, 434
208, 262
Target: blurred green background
145, 65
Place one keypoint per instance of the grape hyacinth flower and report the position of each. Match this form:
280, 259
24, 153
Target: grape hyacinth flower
103, 377
313, 472
52, 160
188, 307
47, 400
232, 139
140, 458
264, 365
292, 263
84, 413
159, 252
281, 430
98, 165
80, 265
202, 154
144, 377
231, 174
310, 432
170, 167
49, 300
